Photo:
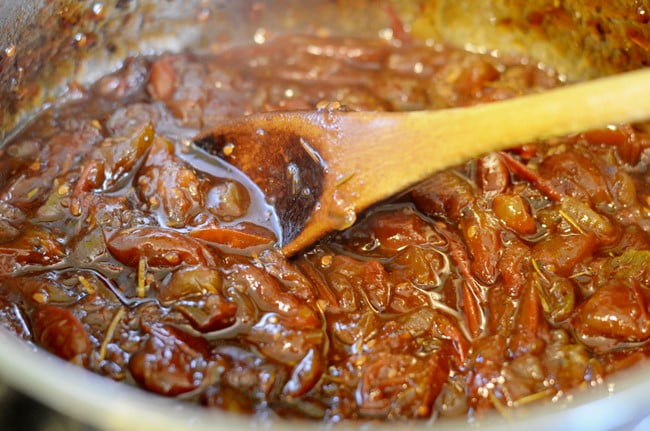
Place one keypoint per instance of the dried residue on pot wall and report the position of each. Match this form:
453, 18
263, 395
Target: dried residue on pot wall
581, 39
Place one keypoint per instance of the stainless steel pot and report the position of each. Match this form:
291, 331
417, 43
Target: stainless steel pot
46, 45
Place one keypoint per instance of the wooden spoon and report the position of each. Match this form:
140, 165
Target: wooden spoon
321, 168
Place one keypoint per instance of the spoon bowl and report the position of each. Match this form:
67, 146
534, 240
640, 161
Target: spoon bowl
319, 169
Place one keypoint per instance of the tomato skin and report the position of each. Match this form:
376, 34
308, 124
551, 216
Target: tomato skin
243, 235
269, 296
305, 374
397, 231
188, 282
482, 235
386, 373
471, 82
561, 253
590, 220
629, 143
161, 80
445, 192
60, 332
160, 247
514, 211
529, 324
615, 314
514, 267
35, 246
168, 363
168, 186
208, 313
575, 175
520, 169
492, 174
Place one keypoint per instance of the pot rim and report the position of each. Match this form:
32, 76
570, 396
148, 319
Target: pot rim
620, 402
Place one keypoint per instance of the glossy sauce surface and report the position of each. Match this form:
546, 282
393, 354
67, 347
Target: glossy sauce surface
506, 281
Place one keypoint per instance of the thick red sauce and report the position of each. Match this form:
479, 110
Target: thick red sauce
506, 281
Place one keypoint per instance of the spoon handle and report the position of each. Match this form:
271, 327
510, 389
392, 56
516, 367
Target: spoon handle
470, 132
424, 142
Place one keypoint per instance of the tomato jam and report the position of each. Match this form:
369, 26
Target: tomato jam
509, 280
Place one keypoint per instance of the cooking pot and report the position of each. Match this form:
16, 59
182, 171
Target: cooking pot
50, 46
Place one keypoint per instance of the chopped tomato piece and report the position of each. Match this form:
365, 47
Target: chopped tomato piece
242, 235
